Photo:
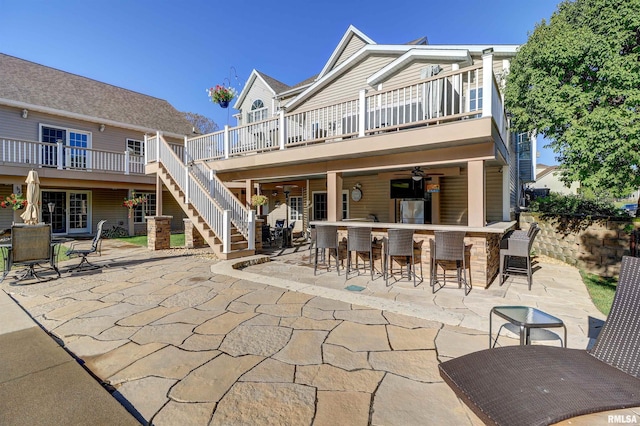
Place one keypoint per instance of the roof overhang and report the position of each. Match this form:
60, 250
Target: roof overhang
83, 117
247, 87
460, 56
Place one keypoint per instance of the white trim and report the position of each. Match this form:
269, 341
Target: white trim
461, 56
248, 85
344, 41
344, 192
344, 66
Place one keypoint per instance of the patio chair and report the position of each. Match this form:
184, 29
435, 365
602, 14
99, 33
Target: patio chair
96, 244
359, 241
449, 251
30, 246
517, 246
540, 385
399, 244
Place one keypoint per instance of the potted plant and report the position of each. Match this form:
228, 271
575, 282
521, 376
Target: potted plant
222, 95
259, 200
16, 202
133, 201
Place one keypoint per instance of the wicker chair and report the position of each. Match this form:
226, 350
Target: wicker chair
327, 238
399, 243
540, 385
359, 241
517, 245
449, 249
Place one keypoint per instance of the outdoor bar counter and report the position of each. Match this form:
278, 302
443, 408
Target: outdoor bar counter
484, 241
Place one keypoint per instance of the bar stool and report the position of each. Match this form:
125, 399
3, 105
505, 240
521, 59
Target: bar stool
327, 238
449, 247
399, 243
518, 245
359, 240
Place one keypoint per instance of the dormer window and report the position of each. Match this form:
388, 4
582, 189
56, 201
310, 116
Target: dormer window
258, 112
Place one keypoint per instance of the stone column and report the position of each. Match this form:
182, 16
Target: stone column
159, 232
192, 237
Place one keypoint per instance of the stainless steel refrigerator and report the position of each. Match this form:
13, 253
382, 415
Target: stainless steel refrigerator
412, 211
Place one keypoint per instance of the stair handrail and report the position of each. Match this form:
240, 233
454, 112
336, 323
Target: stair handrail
210, 201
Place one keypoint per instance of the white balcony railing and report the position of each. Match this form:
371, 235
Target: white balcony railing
63, 157
202, 189
468, 93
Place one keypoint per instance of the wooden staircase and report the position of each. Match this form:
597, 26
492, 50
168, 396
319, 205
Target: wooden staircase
239, 244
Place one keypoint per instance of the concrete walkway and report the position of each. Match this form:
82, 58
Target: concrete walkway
181, 338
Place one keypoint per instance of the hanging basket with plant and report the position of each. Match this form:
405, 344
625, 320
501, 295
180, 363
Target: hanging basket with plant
133, 201
259, 200
222, 95
16, 202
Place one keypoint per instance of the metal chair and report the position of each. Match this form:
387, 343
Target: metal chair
30, 245
96, 244
359, 241
518, 245
327, 238
449, 248
399, 243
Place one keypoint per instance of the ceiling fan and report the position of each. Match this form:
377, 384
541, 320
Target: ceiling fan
418, 174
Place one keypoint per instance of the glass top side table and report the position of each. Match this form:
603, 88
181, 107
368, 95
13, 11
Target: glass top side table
525, 318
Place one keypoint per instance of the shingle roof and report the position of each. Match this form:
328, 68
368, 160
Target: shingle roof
34, 84
276, 85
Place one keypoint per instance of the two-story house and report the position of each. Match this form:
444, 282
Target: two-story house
85, 139
379, 126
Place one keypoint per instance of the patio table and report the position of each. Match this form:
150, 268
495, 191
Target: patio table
526, 318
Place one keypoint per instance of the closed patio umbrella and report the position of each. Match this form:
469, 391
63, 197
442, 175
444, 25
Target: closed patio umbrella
31, 214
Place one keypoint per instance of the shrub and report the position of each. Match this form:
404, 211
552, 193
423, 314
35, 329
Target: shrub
575, 205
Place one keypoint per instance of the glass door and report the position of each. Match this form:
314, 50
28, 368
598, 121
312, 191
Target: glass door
78, 212
57, 218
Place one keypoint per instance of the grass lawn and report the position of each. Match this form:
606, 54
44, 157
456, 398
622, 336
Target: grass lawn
176, 240
601, 290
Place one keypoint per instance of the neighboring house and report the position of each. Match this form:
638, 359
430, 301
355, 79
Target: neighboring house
86, 141
379, 124
549, 177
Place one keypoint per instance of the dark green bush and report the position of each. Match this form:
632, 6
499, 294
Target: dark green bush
575, 205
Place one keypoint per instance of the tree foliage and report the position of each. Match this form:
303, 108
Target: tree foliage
577, 82
201, 124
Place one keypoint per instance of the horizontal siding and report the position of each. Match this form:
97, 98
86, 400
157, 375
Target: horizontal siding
453, 199
354, 44
411, 74
493, 182
349, 84
375, 197
13, 126
259, 90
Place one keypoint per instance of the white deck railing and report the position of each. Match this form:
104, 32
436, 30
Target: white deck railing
205, 192
468, 93
63, 157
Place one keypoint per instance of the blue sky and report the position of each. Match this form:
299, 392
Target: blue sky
174, 50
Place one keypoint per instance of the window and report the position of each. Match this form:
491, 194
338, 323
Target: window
475, 99
76, 142
258, 112
50, 153
135, 147
320, 205
136, 155
146, 209
295, 209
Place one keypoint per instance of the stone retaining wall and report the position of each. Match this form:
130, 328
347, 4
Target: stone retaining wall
598, 247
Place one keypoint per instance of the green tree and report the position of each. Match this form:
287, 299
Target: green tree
577, 82
201, 124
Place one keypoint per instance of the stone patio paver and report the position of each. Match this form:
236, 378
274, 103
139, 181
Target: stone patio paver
186, 339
